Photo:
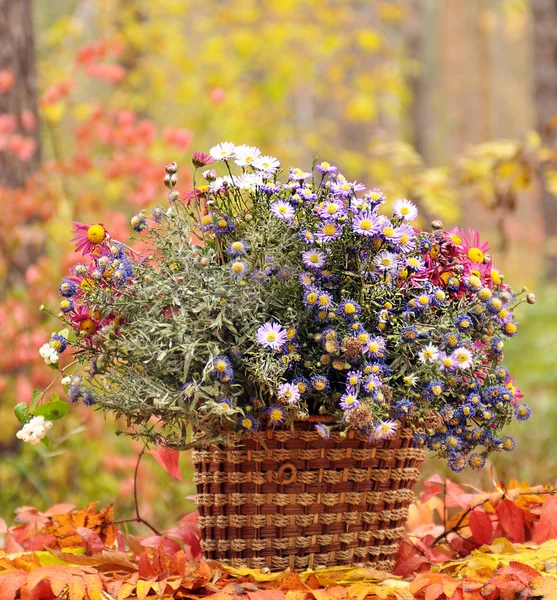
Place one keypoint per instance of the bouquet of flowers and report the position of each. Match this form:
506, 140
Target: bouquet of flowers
262, 299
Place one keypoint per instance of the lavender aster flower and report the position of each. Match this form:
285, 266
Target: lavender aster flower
329, 231
349, 401
271, 335
313, 259
365, 223
282, 210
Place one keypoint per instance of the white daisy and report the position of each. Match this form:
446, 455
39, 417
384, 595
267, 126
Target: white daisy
404, 209
428, 354
269, 164
246, 155
222, 151
248, 181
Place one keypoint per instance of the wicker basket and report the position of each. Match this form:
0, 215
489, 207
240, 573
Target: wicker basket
292, 499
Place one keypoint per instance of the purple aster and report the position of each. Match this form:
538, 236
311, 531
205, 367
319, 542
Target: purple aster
238, 269
385, 430
276, 415
271, 335
319, 383
260, 276
353, 378
67, 288
366, 223
223, 225
282, 210
237, 248
311, 296
376, 346
447, 362
349, 401
221, 369
372, 384
329, 231
313, 259
405, 238
306, 278
325, 168
324, 300
331, 209
323, 431
349, 309
308, 237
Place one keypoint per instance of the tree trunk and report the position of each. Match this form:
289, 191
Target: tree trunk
544, 37
19, 143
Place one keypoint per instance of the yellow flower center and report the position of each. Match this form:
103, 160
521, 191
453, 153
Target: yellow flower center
366, 225
388, 231
206, 220
275, 415
349, 308
88, 326
271, 336
484, 294
323, 300
311, 298
456, 240
476, 255
220, 366
404, 238
329, 229
495, 277
247, 424
510, 328
423, 300
238, 267
96, 234
436, 389
222, 223
237, 246
448, 362
332, 209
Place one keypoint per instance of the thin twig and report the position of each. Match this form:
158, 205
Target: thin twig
138, 518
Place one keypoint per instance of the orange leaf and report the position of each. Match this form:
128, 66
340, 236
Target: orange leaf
546, 529
334, 593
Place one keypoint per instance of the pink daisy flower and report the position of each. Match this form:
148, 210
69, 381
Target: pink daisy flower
88, 237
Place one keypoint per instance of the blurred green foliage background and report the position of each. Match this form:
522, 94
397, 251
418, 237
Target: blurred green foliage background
443, 103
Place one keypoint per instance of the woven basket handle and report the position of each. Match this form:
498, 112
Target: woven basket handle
286, 478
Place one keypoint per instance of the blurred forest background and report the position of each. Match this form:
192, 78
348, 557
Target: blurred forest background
450, 103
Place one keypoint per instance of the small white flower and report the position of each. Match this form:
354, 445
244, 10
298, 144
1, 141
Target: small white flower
269, 164
404, 209
222, 151
428, 354
66, 380
45, 350
54, 357
216, 185
246, 155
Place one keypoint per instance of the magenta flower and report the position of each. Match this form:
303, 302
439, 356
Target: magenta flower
88, 237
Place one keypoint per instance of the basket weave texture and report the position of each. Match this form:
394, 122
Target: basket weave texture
292, 499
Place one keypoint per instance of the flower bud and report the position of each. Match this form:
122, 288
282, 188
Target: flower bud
171, 168
173, 197
531, 298
437, 224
